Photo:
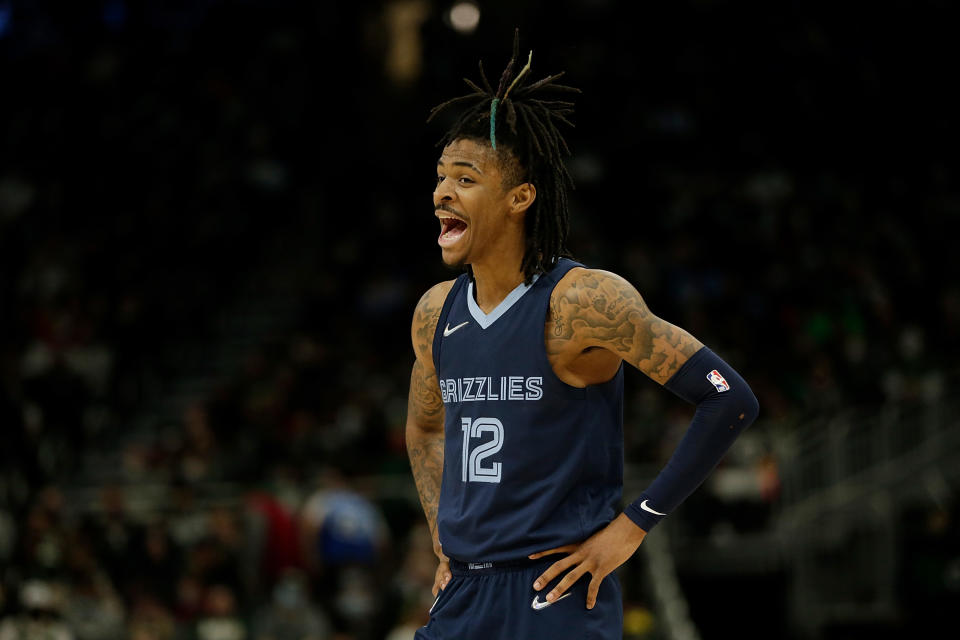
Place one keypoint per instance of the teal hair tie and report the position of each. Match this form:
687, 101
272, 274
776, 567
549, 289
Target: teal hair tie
493, 122
496, 101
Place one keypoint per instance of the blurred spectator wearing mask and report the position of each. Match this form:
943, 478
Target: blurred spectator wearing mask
40, 615
290, 615
220, 620
93, 609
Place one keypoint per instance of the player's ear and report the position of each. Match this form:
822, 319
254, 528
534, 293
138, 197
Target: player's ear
522, 197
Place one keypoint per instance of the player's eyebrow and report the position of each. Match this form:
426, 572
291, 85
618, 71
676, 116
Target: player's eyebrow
461, 163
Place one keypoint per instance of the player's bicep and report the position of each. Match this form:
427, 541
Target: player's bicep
599, 309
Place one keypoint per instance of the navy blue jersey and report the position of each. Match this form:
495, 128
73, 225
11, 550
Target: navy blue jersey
530, 462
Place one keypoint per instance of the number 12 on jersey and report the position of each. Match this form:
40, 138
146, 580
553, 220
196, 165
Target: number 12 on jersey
472, 461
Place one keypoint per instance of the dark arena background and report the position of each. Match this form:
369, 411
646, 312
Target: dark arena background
215, 222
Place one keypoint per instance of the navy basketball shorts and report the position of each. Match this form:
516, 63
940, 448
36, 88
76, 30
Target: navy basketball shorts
490, 601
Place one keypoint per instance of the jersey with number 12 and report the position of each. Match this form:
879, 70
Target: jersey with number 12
530, 462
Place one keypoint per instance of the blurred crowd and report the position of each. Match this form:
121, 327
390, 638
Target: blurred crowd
150, 155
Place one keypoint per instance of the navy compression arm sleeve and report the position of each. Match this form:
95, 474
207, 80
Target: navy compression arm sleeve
725, 407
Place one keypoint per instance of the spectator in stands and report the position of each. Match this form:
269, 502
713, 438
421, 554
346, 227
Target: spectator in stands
220, 619
94, 610
41, 609
290, 615
344, 540
150, 619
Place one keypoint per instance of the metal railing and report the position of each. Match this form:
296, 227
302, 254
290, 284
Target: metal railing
828, 465
846, 480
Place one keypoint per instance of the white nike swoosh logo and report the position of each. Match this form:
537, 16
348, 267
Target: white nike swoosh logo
448, 330
537, 604
643, 505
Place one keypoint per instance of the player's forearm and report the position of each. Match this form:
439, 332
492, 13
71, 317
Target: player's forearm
425, 449
725, 407
425, 415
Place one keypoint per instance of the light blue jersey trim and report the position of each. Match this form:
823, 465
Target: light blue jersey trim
487, 319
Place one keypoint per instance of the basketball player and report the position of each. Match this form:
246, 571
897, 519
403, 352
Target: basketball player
514, 426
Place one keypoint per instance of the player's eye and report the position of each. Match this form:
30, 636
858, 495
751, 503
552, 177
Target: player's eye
465, 180
440, 179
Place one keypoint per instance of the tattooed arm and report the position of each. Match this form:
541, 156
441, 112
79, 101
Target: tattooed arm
598, 320
595, 310
425, 411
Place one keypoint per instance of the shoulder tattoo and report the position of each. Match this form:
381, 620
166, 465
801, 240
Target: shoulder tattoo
599, 309
425, 319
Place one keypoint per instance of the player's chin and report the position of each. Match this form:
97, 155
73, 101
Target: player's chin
453, 259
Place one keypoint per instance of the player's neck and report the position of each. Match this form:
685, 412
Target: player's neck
494, 281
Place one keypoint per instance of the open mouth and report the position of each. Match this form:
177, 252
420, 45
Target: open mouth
451, 230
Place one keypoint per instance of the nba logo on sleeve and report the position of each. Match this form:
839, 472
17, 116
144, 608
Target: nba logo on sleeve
717, 380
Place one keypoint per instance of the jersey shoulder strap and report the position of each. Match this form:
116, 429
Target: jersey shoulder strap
563, 266
459, 284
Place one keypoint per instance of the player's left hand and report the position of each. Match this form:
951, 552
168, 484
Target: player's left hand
599, 555
442, 576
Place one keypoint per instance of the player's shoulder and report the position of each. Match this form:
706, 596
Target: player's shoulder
433, 298
427, 311
580, 280
426, 315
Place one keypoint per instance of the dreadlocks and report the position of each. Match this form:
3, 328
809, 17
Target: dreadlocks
530, 143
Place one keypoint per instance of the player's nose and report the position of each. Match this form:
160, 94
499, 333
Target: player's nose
444, 192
